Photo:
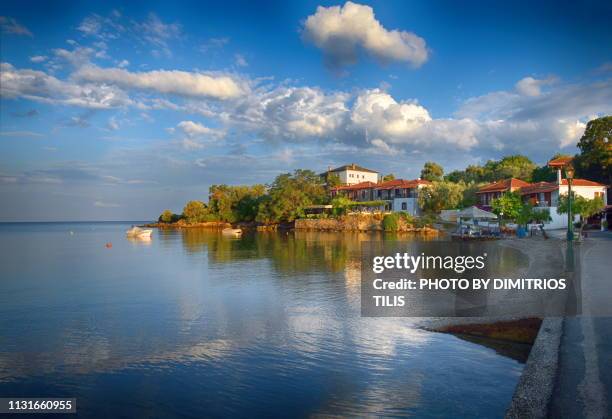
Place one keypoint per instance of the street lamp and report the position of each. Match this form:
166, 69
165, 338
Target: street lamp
569, 174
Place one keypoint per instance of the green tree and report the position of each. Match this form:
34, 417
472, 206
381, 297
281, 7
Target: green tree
469, 194
508, 206
390, 222
516, 166
195, 212
432, 171
541, 215
472, 174
388, 177
341, 205
289, 194
441, 195
332, 180
594, 162
529, 213
581, 206
235, 203
167, 217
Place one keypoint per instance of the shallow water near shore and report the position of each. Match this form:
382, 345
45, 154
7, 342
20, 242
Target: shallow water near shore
192, 324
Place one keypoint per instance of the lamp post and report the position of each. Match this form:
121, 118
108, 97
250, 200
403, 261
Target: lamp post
569, 174
569, 257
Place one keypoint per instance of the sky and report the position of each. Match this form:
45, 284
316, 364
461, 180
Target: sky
118, 110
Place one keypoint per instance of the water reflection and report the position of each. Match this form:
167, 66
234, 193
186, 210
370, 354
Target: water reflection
264, 324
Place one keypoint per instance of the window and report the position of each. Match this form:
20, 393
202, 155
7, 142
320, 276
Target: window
404, 206
599, 195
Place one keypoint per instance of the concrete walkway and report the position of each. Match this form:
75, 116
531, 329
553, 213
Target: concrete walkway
583, 386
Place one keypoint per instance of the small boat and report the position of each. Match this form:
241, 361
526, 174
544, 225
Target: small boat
232, 232
140, 233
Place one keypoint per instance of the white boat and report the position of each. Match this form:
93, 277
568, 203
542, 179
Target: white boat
232, 232
140, 233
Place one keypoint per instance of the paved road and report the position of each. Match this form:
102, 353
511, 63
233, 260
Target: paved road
584, 383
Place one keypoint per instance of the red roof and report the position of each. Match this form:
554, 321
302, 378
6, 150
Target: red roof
362, 185
401, 183
539, 187
503, 185
390, 184
553, 186
582, 182
560, 161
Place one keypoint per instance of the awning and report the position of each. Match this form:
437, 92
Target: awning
475, 212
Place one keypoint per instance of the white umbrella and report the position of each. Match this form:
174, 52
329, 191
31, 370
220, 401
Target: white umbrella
475, 212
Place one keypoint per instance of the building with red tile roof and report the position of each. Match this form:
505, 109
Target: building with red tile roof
399, 194
494, 190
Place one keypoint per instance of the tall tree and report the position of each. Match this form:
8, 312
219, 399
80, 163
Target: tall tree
441, 195
581, 206
508, 206
594, 162
289, 194
332, 180
235, 203
195, 212
516, 166
432, 171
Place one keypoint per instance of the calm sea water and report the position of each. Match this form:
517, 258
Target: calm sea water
192, 324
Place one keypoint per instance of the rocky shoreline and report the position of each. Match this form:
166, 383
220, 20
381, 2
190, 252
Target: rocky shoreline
349, 223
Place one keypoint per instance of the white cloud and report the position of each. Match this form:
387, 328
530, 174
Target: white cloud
113, 124
529, 86
537, 124
379, 112
194, 129
91, 25
291, 113
240, 60
175, 82
379, 146
191, 144
100, 27
20, 134
38, 58
41, 87
214, 43
10, 26
158, 33
123, 63
604, 68
77, 57
103, 204
340, 30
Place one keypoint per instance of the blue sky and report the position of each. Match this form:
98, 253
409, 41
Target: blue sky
117, 110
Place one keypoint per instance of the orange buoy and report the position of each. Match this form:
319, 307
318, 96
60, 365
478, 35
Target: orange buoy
109, 245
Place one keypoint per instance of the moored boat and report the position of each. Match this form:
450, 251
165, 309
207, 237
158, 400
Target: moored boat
140, 233
232, 232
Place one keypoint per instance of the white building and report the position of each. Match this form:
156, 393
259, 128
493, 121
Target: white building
545, 194
398, 194
352, 174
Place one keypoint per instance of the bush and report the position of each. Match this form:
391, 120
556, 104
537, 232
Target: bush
196, 212
390, 222
424, 221
408, 219
166, 216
